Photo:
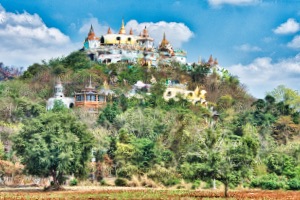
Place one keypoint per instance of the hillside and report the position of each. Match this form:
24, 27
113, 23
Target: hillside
235, 139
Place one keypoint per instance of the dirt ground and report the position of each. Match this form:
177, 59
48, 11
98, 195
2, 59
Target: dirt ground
98, 192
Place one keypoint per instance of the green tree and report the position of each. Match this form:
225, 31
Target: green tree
54, 144
224, 157
281, 164
199, 73
288, 96
109, 114
34, 70
77, 60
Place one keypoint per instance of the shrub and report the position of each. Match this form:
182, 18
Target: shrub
134, 182
166, 176
269, 182
127, 171
102, 182
172, 181
147, 182
196, 184
294, 184
73, 182
120, 182
255, 183
270, 185
281, 165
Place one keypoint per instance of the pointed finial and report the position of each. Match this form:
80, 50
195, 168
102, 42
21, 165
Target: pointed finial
108, 31
122, 29
131, 32
91, 29
122, 22
145, 32
164, 42
216, 61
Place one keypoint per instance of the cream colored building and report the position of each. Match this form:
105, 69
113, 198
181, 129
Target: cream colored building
175, 90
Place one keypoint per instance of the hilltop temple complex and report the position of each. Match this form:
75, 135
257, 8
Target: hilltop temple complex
130, 48
127, 47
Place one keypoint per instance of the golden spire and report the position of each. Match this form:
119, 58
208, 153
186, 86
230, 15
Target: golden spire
108, 31
164, 42
122, 29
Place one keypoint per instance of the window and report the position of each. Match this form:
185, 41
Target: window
79, 97
101, 98
90, 97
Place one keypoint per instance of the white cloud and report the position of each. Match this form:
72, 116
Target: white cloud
290, 26
25, 39
232, 2
263, 75
247, 48
295, 43
176, 33
100, 29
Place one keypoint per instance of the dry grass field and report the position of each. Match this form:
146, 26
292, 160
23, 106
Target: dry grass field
95, 192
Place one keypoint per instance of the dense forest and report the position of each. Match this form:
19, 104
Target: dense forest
234, 141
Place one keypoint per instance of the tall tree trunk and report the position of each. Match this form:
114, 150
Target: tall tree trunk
56, 184
226, 189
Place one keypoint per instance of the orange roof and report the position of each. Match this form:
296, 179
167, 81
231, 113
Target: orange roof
91, 35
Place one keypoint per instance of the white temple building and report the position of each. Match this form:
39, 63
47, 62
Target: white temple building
59, 96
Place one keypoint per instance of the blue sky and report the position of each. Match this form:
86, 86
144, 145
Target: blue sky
257, 40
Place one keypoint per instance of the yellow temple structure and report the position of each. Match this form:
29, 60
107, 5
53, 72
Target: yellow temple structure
127, 47
195, 97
